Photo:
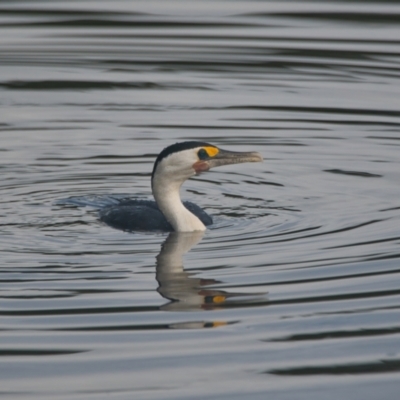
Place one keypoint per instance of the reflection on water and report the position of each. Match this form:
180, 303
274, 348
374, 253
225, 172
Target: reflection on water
300, 270
185, 291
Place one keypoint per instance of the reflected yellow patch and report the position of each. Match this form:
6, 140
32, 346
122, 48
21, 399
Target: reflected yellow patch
211, 151
216, 324
218, 299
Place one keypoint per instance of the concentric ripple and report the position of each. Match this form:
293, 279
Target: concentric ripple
297, 279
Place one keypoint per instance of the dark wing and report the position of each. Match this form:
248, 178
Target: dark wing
135, 217
144, 215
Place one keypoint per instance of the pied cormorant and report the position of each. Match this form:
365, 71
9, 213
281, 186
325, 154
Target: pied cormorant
173, 166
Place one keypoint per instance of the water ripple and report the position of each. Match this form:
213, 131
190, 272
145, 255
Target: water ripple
298, 276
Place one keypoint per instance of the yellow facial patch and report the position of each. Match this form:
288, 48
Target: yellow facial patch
211, 151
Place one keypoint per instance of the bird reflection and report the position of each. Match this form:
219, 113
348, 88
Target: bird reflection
186, 291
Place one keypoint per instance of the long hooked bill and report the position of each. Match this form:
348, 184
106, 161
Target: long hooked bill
225, 157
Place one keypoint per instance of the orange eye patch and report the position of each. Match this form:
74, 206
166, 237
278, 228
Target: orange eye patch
211, 151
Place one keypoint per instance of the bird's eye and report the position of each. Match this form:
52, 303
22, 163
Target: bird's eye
203, 155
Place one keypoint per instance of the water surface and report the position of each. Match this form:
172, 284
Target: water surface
293, 293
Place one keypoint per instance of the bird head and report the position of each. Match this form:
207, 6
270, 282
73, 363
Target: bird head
181, 161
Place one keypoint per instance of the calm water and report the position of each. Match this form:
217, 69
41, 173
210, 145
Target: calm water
294, 293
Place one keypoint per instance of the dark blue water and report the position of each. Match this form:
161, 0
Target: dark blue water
294, 293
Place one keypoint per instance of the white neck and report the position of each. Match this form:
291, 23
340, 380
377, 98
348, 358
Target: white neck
166, 194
